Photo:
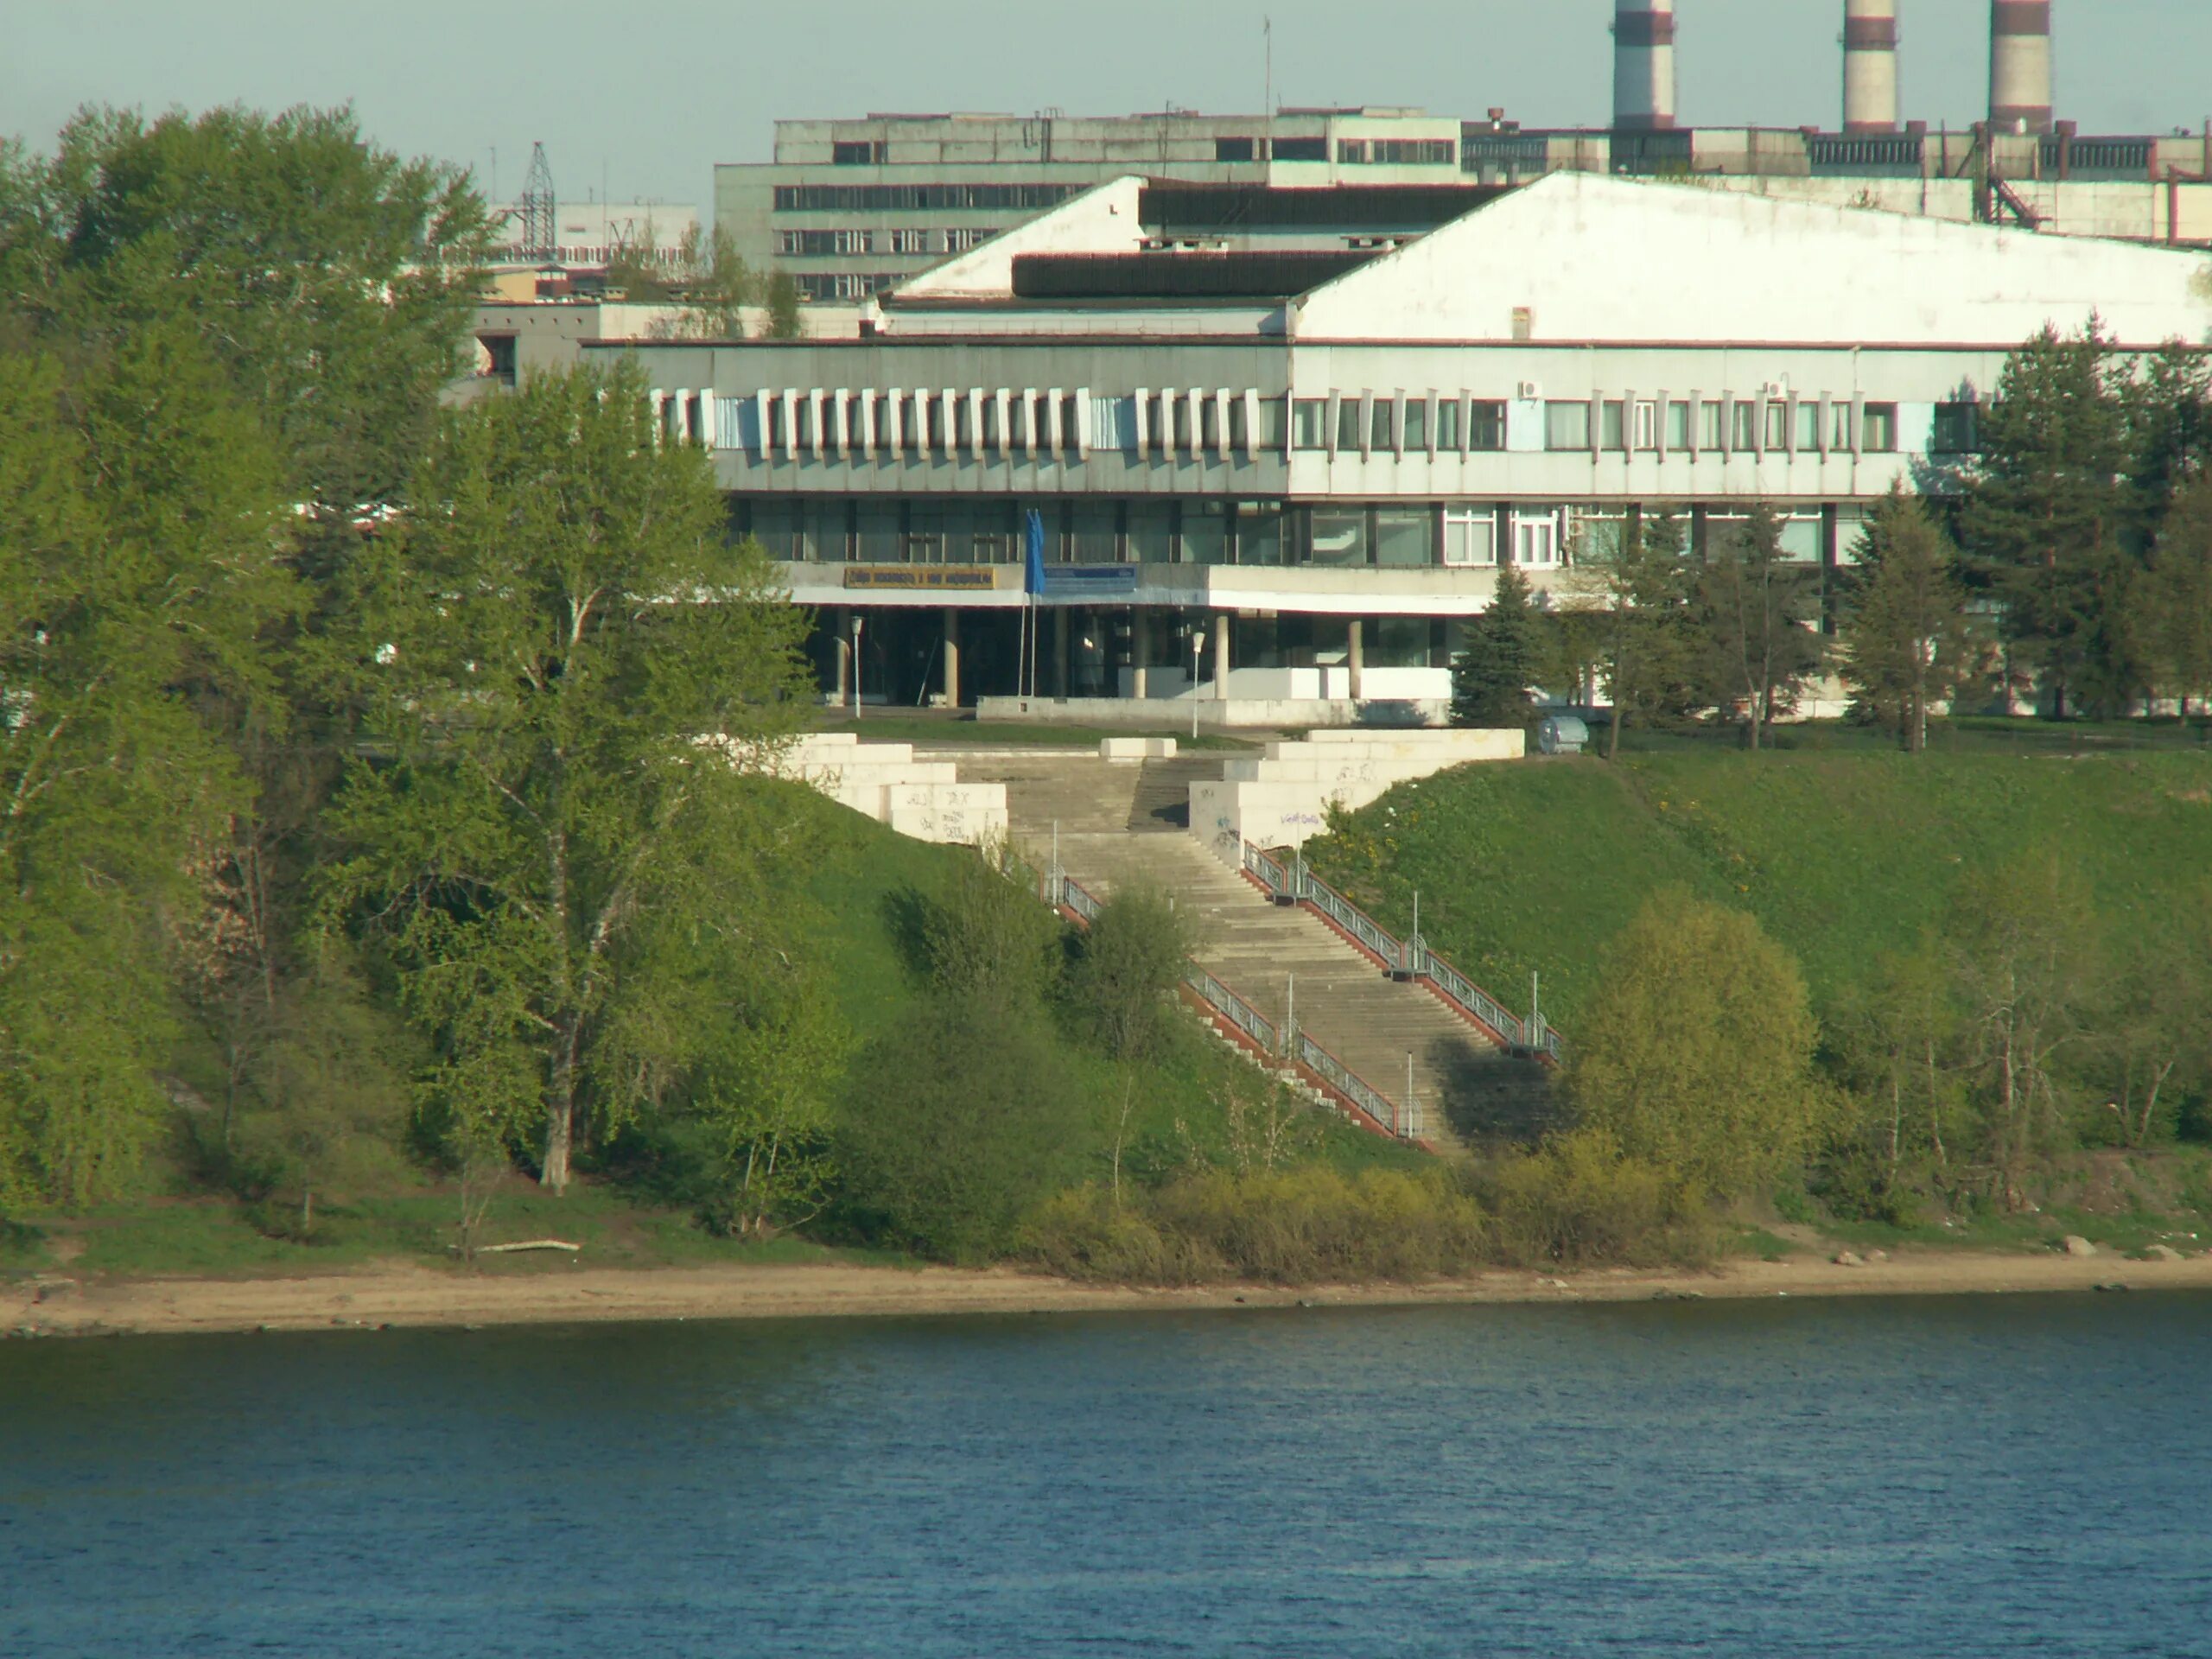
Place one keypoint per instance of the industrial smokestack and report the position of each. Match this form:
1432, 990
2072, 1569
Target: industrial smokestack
2020, 66
1643, 65
1870, 65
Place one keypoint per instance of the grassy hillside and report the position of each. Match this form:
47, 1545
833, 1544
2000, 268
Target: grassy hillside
860, 882
1533, 867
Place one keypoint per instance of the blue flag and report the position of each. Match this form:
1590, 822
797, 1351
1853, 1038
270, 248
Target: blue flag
1035, 584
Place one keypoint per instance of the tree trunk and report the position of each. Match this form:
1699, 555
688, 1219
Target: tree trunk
560, 1111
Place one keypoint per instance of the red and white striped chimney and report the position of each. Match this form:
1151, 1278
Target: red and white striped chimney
1643, 65
2020, 66
1870, 65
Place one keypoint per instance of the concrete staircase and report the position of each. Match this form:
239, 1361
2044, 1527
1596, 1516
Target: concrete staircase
1115, 827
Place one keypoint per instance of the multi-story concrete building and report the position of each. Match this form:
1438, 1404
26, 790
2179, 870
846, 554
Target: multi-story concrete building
852, 207
849, 208
1288, 438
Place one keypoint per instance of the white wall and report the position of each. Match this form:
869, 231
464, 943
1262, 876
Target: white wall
1598, 259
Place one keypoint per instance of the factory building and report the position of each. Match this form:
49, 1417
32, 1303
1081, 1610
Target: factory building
851, 207
1279, 443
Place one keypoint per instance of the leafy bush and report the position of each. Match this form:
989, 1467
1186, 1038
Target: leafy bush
1312, 1224
1124, 970
956, 1123
1580, 1201
1698, 1060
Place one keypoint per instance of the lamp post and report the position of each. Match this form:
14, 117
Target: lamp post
1198, 644
858, 623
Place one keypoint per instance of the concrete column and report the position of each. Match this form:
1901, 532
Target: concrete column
1356, 654
1060, 653
1221, 655
1140, 652
951, 657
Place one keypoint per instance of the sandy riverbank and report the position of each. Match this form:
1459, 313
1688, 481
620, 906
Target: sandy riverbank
404, 1294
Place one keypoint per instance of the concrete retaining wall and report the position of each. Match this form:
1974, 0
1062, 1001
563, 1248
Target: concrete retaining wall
1282, 797
923, 799
1216, 714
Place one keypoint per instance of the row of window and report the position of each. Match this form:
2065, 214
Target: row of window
1401, 423
919, 198
1397, 152
1225, 424
844, 284
813, 245
831, 530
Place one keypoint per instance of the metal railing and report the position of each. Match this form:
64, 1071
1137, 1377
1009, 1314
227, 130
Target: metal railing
1054, 887
1234, 1008
1292, 882
1404, 1123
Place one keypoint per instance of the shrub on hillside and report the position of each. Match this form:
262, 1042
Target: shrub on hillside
1697, 1056
1578, 1201
1312, 1224
1123, 971
956, 1122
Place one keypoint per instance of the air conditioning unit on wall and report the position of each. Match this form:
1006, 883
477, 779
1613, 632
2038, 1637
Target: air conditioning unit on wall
1529, 391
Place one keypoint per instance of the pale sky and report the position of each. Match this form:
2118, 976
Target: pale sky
647, 98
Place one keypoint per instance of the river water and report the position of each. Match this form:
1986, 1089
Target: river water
2016, 1475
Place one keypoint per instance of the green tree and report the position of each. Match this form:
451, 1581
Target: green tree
2166, 403
782, 300
709, 284
1893, 1041
1756, 610
332, 281
1490, 677
2043, 513
2023, 970
569, 676
1908, 640
1128, 964
1697, 1055
2174, 598
140, 565
1635, 583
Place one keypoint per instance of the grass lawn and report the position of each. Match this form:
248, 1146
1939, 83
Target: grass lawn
1532, 867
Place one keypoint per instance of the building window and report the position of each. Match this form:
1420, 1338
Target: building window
1566, 426
1486, 426
1300, 149
1151, 534
1612, 433
1877, 433
961, 241
1447, 425
1678, 425
1839, 426
1339, 536
1382, 437
1417, 424
1404, 537
1709, 426
851, 285
1778, 427
1205, 532
1470, 536
1745, 440
1647, 426
1809, 427
1956, 430
1535, 540
1351, 152
912, 242
865, 153
1348, 424
1259, 534
1234, 149
1208, 424
1414, 152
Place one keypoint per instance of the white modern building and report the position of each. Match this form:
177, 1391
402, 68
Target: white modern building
1288, 437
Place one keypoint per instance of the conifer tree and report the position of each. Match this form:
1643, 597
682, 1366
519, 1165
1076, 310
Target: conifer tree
1490, 678
1755, 609
2174, 598
1907, 641
2043, 514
